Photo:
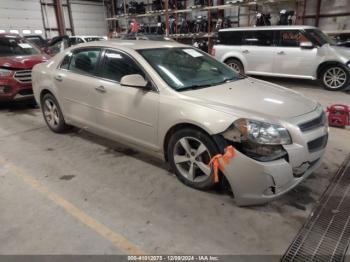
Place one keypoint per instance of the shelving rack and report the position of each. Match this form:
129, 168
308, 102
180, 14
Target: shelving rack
214, 12
181, 11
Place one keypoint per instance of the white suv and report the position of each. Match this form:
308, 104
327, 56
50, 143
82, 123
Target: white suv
285, 51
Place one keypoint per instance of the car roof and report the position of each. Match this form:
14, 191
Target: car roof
133, 44
40, 36
277, 27
83, 36
9, 34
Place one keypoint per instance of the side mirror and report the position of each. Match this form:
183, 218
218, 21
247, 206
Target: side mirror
134, 81
306, 45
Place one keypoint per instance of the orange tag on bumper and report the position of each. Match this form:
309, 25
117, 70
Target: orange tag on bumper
216, 164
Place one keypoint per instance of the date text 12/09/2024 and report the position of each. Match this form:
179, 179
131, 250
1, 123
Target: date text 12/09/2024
173, 258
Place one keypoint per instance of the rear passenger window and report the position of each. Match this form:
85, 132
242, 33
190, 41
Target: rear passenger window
258, 38
84, 61
291, 38
249, 38
230, 38
265, 38
116, 65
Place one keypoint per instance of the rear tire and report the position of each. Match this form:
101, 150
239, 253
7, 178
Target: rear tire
236, 65
53, 115
335, 77
189, 152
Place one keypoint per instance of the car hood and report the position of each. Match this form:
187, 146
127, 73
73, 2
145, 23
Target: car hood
254, 97
340, 50
22, 62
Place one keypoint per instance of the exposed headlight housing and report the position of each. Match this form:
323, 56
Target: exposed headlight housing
258, 140
261, 132
5, 72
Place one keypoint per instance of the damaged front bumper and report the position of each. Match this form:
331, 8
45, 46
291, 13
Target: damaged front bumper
255, 182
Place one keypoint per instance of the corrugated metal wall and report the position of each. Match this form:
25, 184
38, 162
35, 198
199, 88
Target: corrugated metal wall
89, 18
330, 7
25, 16
50, 20
20, 15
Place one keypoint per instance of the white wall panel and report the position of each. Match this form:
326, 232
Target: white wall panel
330, 7
89, 18
20, 15
49, 18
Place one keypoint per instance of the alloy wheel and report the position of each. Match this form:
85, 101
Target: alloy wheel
51, 113
235, 67
335, 77
191, 158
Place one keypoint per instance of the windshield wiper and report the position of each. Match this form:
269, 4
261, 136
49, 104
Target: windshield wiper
193, 87
196, 86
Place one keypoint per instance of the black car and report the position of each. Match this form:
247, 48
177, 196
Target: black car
342, 39
38, 40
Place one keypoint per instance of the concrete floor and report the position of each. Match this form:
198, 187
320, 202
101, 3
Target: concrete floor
80, 194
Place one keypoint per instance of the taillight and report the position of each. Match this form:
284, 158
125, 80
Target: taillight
212, 52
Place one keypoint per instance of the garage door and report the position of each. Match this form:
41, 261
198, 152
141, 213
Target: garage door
89, 18
19, 15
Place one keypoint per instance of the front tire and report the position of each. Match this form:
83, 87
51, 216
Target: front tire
335, 77
190, 152
53, 115
236, 65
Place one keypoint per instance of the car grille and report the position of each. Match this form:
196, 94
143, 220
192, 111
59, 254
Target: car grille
23, 76
317, 144
314, 123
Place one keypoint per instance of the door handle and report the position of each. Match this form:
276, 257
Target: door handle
100, 89
59, 78
245, 51
281, 53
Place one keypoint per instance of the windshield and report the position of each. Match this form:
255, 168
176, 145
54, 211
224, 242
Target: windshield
319, 37
187, 68
16, 46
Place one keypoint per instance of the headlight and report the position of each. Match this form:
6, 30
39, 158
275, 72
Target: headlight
258, 140
5, 72
262, 133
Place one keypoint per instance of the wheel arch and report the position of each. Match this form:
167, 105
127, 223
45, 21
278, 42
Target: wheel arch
180, 126
236, 58
44, 92
324, 65
218, 140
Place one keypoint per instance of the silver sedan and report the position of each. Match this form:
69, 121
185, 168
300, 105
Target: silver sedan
180, 104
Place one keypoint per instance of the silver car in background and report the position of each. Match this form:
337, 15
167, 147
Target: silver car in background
285, 51
184, 106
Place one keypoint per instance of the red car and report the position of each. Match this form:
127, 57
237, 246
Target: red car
17, 58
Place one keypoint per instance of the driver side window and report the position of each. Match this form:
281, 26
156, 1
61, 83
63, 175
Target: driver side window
116, 65
291, 38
